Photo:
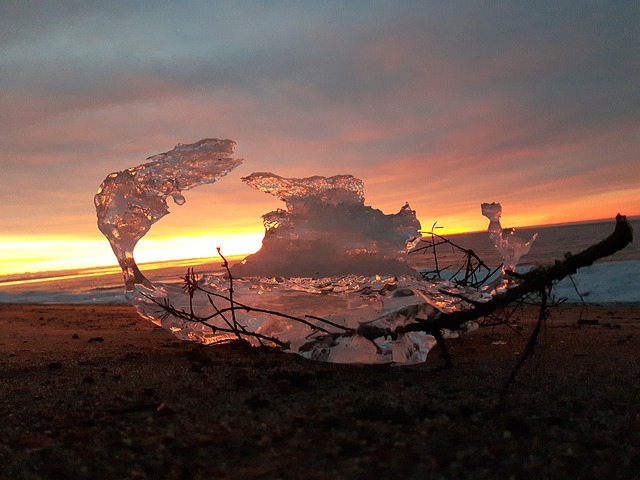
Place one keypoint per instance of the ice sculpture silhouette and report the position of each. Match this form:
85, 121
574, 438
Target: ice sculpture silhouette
330, 269
505, 240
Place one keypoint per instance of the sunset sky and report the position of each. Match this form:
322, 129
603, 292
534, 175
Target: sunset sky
442, 104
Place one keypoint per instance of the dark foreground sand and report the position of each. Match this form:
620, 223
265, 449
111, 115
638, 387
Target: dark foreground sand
96, 392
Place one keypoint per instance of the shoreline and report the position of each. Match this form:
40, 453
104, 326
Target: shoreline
94, 391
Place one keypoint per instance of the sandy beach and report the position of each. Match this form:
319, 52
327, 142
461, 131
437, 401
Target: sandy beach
96, 392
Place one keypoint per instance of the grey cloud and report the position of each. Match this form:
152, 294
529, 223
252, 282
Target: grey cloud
558, 68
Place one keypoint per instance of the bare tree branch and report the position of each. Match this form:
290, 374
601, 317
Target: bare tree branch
535, 280
539, 280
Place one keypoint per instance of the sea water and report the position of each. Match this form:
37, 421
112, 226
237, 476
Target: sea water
614, 279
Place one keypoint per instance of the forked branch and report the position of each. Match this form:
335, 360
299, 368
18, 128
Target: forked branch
536, 280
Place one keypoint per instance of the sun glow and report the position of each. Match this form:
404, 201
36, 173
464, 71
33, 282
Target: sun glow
20, 255
198, 246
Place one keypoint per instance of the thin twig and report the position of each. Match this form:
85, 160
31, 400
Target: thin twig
437, 334
531, 344
226, 267
471, 265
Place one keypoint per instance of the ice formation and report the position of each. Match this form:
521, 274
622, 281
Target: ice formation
330, 270
129, 202
327, 230
505, 240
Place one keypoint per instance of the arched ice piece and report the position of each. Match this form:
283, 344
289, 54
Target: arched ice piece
130, 201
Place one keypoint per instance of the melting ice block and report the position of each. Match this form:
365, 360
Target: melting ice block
327, 230
353, 252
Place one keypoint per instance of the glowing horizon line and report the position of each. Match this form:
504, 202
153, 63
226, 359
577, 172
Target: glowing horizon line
16, 253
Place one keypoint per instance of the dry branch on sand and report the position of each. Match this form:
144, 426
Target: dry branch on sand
539, 280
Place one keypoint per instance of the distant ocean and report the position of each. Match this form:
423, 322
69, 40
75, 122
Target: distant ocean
615, 279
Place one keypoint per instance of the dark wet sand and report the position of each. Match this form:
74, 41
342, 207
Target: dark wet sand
96, 392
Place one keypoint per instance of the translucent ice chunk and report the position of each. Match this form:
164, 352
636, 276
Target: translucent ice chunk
320, 319
508, 244
329, 273
339, 189
129, 202
327, 230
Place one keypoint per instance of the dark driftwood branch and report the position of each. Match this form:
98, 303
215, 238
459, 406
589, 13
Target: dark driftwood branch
538, 280
535, 280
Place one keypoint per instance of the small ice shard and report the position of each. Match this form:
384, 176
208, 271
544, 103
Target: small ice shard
505, 240
327, 230
130, 201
